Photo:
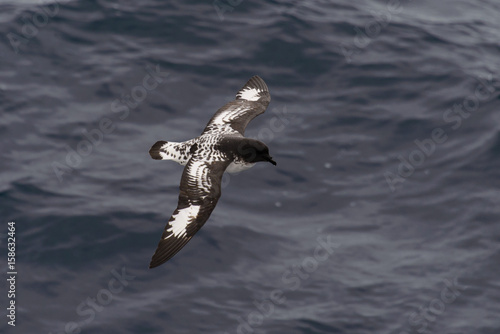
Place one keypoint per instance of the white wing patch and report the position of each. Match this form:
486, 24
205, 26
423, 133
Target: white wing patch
181, 220
228, 116
249, 94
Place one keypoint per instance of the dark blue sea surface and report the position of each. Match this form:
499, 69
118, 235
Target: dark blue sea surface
382, 215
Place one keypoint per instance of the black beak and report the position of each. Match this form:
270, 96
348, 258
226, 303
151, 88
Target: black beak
270, 159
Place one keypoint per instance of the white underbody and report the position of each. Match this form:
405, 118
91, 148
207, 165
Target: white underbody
236, 167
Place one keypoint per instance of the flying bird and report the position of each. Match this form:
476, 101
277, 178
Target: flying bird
220, 147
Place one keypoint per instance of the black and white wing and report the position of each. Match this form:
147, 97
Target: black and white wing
199, 192
251, 101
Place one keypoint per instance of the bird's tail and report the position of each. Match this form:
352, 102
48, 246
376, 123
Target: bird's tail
178, 152
156, 150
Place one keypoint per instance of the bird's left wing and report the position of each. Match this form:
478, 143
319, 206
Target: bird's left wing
251, 101
200, 190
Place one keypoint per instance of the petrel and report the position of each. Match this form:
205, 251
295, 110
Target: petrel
220, 147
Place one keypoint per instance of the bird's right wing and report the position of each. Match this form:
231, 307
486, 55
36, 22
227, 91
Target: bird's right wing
200, 190
251, 101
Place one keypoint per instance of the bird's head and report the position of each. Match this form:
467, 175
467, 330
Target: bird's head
252, 150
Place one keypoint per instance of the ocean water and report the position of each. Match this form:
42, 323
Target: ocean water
382, 215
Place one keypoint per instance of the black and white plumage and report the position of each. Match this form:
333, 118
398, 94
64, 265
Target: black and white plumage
221, 147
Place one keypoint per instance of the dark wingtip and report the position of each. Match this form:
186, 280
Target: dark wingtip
154, 151
155, 262
165, 252
158, 258
257, 83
